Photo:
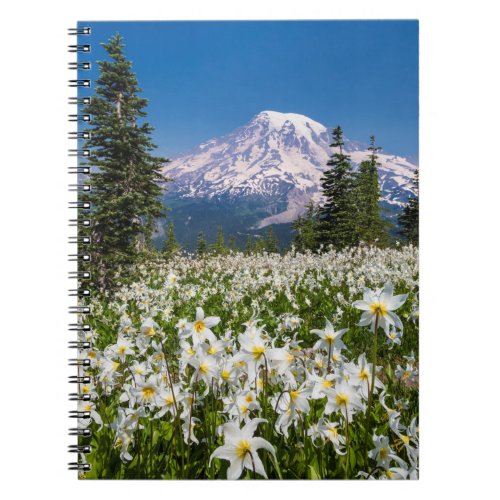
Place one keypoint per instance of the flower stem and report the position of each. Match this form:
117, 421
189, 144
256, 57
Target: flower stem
370, 394
347, 443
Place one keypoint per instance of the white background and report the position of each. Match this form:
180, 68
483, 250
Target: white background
459, 225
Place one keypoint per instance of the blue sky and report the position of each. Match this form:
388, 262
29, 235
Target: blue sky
204, 79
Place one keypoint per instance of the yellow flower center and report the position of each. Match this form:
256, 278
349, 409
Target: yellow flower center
290, 357
87, 407
379, 308
249, 397
159, 356
330, 338
204, 367
148, 393
294, 395
327, 384
122, 349
333, 431
258, 350
212, 350
169, 400
342, 399
86, 389
364, 374
149, 331
199, 326
92, 354
243, 409
242, 448
389, 474
405, 439
384, 452
225, 375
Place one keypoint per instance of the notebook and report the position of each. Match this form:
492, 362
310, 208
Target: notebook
245, 226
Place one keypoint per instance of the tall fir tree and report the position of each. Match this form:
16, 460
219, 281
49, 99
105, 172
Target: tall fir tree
233, 247
126, 178
409, 217
337, 215
271, 242
250, 245
219, 247
370, 227
171, 246
306, 229
201, 245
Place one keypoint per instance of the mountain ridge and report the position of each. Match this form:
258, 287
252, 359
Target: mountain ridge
279, 157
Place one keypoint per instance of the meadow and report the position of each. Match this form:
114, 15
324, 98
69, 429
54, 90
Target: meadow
295, 366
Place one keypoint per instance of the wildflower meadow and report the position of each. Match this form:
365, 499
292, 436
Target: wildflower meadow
263, 366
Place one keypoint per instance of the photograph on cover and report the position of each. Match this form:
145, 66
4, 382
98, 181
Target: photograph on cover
253, 239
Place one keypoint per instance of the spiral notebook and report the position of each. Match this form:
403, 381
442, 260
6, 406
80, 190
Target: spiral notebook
245, 234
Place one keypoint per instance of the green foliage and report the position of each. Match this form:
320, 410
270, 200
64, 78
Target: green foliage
171, 246
158, 450
271, 242
306, 229
126, 178
409, 218
370, 228
219, 247
233, 247
201, 245
351, 212
337, 215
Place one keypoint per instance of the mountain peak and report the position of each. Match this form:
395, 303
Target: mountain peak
302, 124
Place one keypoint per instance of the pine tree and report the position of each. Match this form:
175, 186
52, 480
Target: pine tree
409, 217
219, 246
126, 179
260, 245
337, 215
233, 247
306, 229
370, 228
171, 246
201, 245
271, 242
250, 246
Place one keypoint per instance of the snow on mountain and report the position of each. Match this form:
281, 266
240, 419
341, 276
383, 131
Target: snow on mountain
277, 156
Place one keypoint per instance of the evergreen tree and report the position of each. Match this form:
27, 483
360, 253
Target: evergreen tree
271, 242
171, 246
337, 215
409, 217
232, 244
201, 245
370, 228
250, 246
126, 178
306, 229
260, 245
219, 247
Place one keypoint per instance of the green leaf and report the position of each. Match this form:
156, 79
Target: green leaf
312, 473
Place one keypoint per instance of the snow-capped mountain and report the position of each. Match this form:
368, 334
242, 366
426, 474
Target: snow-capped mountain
275, 160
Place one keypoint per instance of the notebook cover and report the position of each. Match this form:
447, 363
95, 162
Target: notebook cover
251, 192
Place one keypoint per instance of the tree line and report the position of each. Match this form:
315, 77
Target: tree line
126, 183
350, 214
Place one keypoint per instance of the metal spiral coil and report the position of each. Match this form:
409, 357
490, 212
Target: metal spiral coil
82, 221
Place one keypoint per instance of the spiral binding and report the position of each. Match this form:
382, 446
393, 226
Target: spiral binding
82, 242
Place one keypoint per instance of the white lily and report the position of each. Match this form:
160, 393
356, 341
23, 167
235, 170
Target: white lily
240, 448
